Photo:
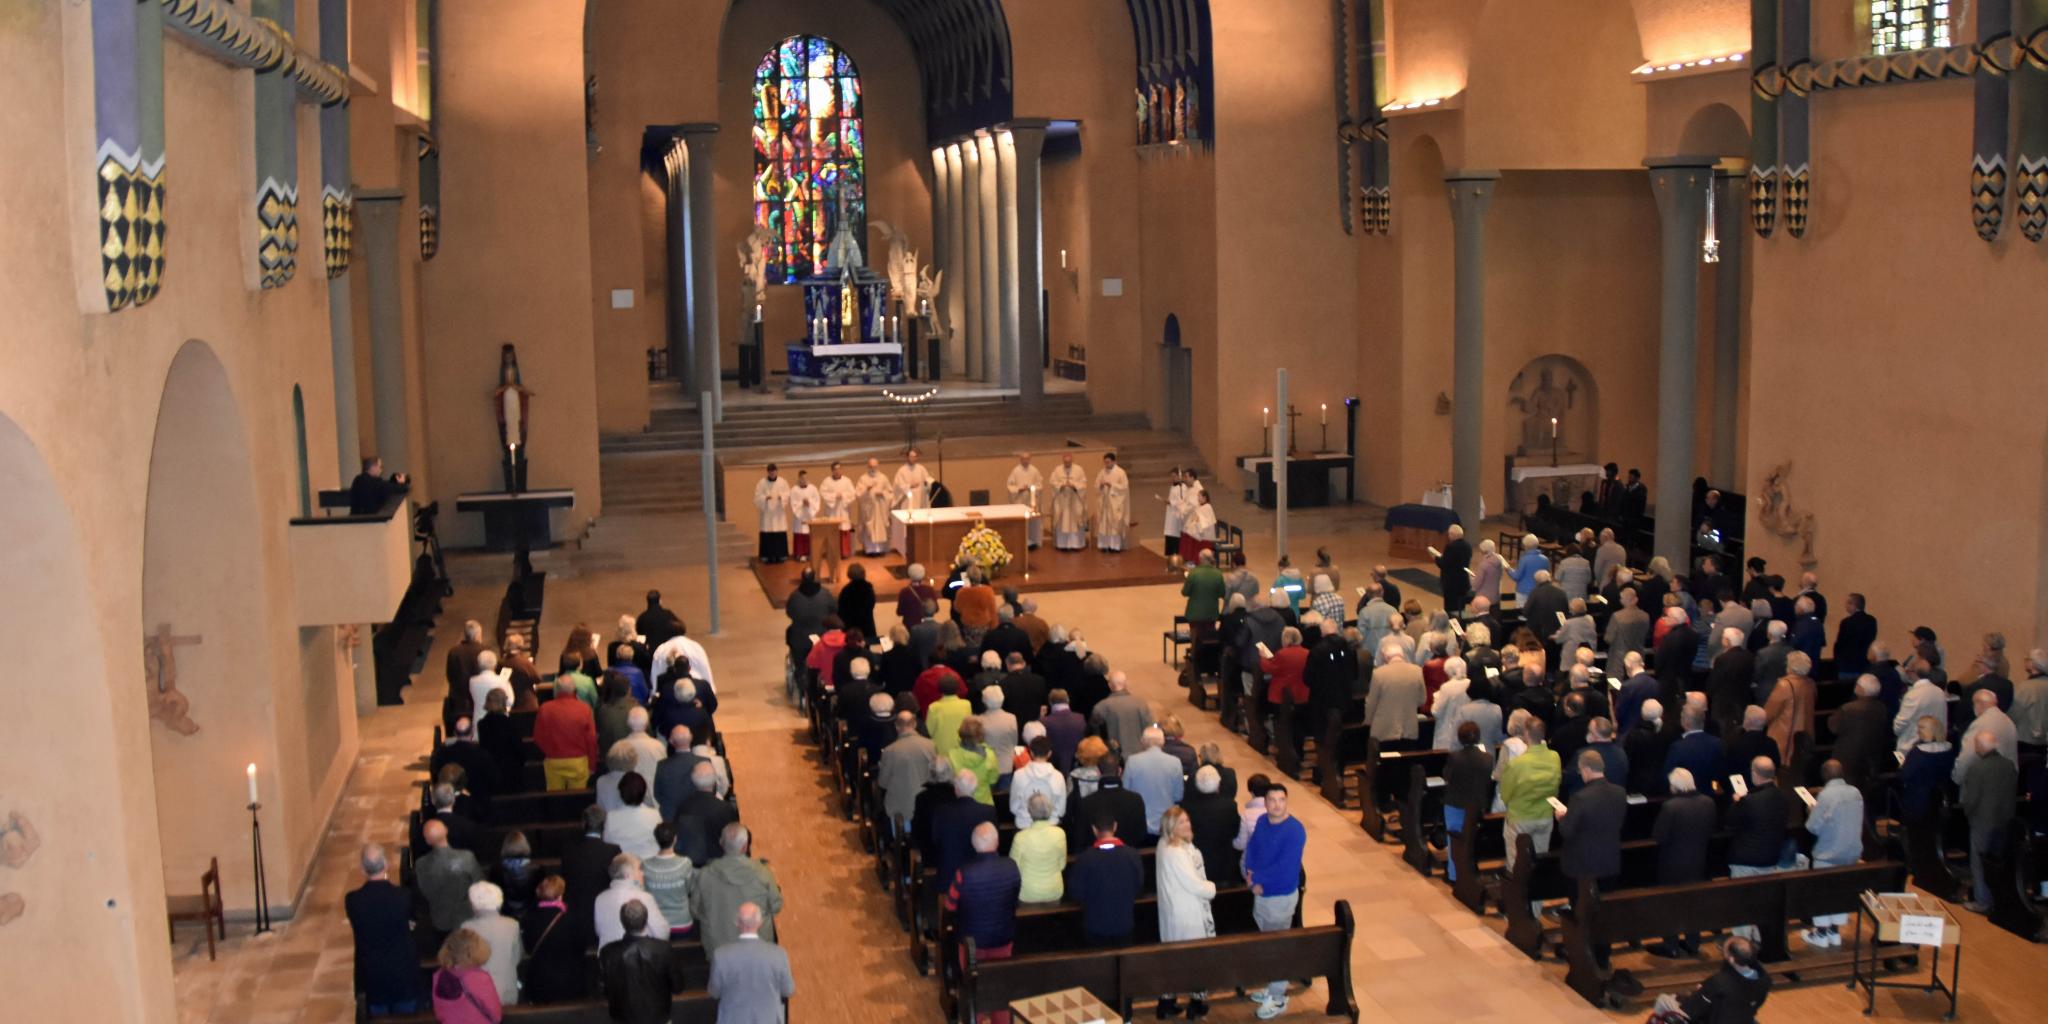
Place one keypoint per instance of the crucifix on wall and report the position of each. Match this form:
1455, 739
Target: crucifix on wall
160, 667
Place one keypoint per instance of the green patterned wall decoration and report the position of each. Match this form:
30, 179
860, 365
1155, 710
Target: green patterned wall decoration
1991, 134
125, 79
337, 197
2030, 80
1766, 82
277, 157
1795, 168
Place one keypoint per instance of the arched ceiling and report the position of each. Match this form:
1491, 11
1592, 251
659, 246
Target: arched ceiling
963, 53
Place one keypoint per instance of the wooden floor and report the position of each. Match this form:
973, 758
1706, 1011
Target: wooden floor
1040, 570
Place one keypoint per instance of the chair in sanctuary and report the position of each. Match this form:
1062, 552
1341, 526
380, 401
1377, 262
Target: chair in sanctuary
207, 907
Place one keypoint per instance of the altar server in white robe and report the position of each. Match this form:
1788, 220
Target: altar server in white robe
1069, 505
1113, 505
1175, 501
1198, 533
1192, 495
913, 484
838, 494
874, 496
771, 499
1024, 484
804, 504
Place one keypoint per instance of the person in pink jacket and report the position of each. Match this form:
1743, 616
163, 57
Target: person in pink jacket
463, 990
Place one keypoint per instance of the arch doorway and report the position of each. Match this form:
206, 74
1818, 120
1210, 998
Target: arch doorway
1177, 371
61, 743
205, 620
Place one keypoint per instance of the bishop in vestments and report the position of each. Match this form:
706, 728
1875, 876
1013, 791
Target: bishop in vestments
771, 500
1069, 505
874, 495
1024, 484
1113, 505
913, 484
838, 494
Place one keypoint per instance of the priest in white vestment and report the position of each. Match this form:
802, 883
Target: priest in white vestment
804, 504
1069, 505
771, 500
1024, 484
913, 484
1113, 505
838, 494
874, 496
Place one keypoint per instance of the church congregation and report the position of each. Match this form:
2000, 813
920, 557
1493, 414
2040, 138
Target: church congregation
959, 511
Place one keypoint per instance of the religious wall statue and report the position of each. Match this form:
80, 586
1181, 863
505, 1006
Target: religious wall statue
1550, 402
902, 262
754, 270
928, 293
1775, 512
160, 673
513, 403
18, 842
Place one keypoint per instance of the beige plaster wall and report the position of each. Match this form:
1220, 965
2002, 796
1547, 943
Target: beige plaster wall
1886, 353
1287, 284
84, 393
514, 261
1177, 266
1549, 87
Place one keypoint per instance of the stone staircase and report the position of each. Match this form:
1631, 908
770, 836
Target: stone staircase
651, 481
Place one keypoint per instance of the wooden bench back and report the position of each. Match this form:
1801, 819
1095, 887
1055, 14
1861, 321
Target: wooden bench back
1144, 972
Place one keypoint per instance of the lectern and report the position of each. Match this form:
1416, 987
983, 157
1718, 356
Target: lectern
825, 535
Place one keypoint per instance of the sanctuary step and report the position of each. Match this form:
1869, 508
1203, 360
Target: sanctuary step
866, 420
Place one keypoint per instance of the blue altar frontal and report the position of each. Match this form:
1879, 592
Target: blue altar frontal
849, 338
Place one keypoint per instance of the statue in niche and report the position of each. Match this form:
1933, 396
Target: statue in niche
160, 669
18, 842
1775, 512
754, 270
513, 403
1541, 406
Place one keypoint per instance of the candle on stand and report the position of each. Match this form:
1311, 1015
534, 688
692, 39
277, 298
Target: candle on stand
252, 782
1553, 428
1265, 416
1326, 414
757, 312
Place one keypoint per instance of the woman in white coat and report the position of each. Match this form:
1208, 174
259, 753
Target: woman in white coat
1185, 894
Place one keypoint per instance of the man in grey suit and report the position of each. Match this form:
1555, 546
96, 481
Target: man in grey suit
750, 976
906, 765
672, 777
444, 876
1394, 696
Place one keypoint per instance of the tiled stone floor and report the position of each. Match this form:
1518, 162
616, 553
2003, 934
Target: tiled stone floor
1420, 956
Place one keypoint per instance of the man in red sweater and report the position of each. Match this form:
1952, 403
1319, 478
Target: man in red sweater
566, 733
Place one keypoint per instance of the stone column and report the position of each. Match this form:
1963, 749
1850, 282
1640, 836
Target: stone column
676, 316
953, 290
703, 236
1470, 192
1730, 203
1006, 251
971, 295
376, 244
1028, 138
991, 261
1680, 184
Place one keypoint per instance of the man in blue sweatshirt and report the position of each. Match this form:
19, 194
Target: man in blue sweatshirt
1272, 866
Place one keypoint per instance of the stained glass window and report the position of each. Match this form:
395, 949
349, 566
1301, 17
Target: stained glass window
809, 152
1897, 25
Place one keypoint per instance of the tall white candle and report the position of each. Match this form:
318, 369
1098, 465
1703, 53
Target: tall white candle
1326, 414
1553, 426
252, 782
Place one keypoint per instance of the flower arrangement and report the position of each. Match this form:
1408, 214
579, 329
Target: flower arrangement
985, 548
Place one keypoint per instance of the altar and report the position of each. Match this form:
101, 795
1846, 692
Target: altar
1563, 484
931, 536
850, 337
817, 366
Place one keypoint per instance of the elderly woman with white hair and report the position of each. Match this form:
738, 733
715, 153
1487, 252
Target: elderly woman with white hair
1524, 572
1327, 603
502, 933
1486, 569
1450, 698
1788, 711
1479, 709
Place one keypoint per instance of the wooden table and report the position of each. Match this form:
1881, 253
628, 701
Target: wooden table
931, 536
825, 535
